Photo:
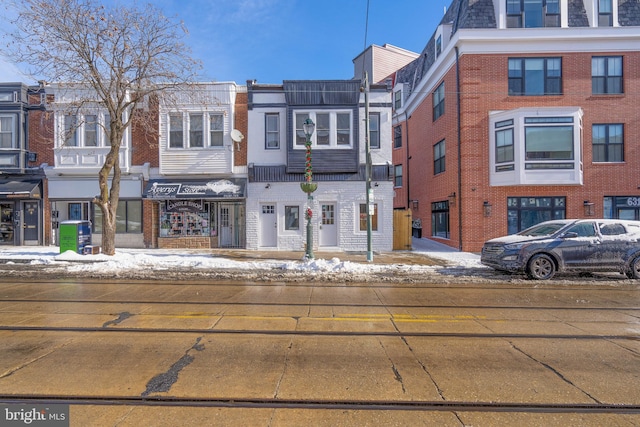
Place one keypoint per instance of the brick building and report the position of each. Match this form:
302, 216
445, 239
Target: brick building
518, 112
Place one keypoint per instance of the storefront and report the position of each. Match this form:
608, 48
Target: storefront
71, 199
20, 211
199, 214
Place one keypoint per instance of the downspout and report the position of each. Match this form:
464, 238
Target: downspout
406, 125
460, 198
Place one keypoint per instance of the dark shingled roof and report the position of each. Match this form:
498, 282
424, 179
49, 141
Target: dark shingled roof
629, 13
472, 14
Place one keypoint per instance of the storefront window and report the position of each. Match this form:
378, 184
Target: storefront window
184, 218
128, 217
6, 223
524, 212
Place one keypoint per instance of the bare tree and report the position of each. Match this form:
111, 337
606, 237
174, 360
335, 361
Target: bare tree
123, 55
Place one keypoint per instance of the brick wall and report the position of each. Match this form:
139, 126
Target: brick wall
484, 88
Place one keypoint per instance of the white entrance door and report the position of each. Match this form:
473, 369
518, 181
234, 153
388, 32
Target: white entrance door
226, 225
268, 226
328, 226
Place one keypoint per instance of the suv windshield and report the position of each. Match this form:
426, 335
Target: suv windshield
546, 229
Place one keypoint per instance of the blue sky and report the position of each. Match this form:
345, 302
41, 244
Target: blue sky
275, 40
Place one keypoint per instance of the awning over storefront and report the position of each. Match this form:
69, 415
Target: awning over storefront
202, 189
20, 189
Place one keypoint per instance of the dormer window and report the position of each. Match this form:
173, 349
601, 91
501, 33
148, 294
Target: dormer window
533, 13
605, 13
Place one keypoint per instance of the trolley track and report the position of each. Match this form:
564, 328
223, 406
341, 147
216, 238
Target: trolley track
367, 405
264, 301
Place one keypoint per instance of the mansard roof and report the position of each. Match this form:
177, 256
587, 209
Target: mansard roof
480, 14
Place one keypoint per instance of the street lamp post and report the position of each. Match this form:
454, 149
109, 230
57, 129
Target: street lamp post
308, 186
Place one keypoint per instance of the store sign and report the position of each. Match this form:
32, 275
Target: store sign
196, 205
201, 189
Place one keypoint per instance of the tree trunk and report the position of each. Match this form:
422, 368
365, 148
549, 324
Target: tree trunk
108, 198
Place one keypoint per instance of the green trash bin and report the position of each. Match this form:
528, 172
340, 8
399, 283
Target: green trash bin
74, 236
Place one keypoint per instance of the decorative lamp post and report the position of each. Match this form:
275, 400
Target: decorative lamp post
308, 186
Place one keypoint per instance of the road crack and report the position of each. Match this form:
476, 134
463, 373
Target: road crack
163, 382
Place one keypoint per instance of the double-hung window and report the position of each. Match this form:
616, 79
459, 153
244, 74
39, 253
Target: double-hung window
608, 142
535, 76
196, 137
374, 130
272, 131
333, 129
397, 100
504, 145
216, 129
175, 131
533, 13
438, 102
606, 75
397, 176
70, 131
7, 131
397, 137
439, 151
90, 130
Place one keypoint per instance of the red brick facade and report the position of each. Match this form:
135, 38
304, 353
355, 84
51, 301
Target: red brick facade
484, 88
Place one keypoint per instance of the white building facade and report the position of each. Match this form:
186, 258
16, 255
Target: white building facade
276, 204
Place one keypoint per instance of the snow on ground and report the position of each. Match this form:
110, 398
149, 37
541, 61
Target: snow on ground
163, 259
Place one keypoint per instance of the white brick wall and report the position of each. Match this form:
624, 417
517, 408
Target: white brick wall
346, 195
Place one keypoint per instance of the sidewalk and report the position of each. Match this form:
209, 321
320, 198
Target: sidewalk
423, 250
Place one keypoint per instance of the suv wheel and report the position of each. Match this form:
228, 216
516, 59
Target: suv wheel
634, 269
542, 267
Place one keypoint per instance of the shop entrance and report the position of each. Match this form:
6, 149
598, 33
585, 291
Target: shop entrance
31, 229
232, 229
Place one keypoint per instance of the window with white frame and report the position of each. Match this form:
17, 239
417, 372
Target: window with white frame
196, 130
548, 139
397, 100
90, 130
504, 145
536, 146
70, 131
363, 217
196, 136
175, 131
8, 131
374, 130
292, 217
272, 131
333, 129
216, 129
85, 130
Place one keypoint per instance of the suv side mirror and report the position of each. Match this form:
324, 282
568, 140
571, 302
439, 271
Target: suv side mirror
570, 235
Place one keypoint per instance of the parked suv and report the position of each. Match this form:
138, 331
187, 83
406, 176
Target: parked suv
587, 245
